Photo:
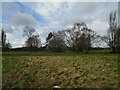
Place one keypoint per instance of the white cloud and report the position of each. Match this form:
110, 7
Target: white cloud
8, 28
15, 42
62, 14
99, 26
44, 8
68, 13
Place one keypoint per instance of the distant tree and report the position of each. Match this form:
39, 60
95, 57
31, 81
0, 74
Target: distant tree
71, 35
82, 43
56, 43
36, 41
33, 39
79, 37
8, 45
82, 38
49, 36
29, 31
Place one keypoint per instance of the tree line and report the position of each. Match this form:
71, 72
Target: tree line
79, 38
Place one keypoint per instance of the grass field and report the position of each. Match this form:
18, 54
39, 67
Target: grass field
66, 70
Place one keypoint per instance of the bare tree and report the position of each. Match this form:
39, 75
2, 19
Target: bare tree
112, 36
50, 35
55, 42
33, 39
79, 37
29, 31
112, 30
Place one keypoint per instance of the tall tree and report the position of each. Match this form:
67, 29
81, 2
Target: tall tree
112, 30
112, 37
5, 45
3, 38
118, 40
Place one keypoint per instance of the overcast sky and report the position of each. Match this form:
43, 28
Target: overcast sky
53, 16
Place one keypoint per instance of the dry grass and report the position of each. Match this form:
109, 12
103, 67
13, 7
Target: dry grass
83, 71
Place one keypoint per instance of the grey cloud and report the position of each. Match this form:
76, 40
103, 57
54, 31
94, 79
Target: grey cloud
22, 19
84, 7
41, 24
